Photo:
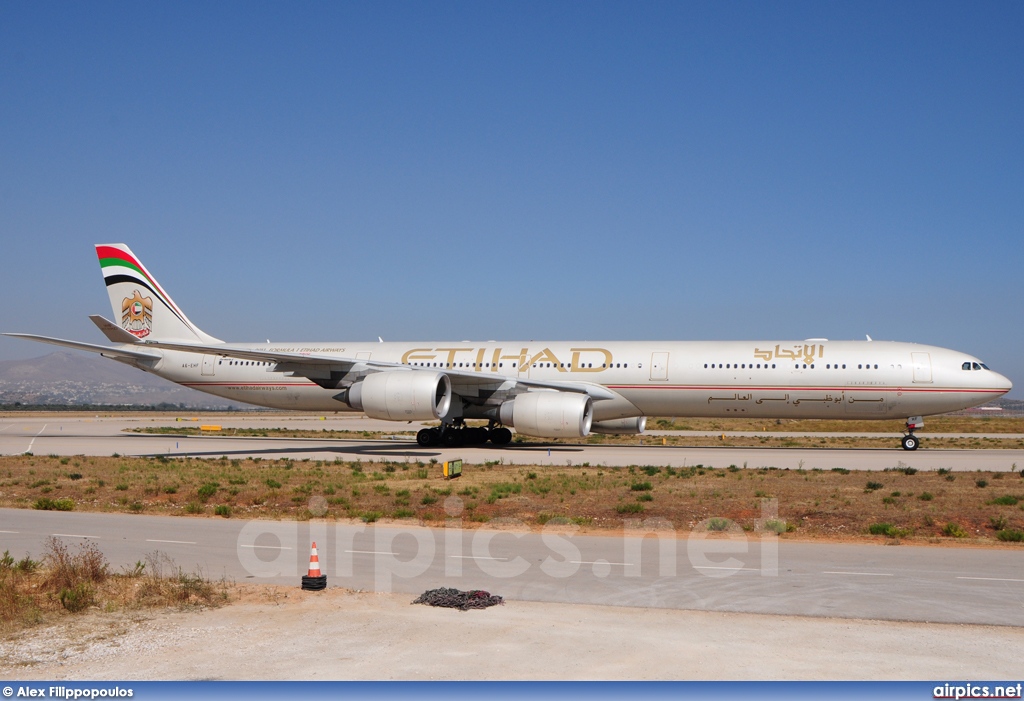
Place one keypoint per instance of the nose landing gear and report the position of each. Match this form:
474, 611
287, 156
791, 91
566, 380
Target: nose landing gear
910, 441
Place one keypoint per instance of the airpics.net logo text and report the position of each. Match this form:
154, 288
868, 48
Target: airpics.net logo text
977, 691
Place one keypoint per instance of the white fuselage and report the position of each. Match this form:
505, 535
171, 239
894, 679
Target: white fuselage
761, 379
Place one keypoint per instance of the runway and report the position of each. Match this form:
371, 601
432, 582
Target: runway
76, 435
748, 574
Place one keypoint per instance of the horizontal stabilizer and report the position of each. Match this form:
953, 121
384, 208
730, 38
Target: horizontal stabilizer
112, 331
91, 347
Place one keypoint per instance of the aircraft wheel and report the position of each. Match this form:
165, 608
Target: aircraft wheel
501, 436
425, 437
910, 442
452, 438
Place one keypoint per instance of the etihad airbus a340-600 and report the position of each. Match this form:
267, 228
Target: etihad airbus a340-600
550, 389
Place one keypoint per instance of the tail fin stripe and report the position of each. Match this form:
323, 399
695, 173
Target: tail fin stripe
114, 279
110, 277
112, 257
154, 316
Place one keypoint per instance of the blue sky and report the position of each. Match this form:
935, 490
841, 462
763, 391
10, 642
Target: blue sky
553, 170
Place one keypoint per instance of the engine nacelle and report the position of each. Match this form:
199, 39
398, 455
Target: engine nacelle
632, 426
549, 414
402, 395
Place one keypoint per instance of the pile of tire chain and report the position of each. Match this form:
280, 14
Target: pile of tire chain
462, 600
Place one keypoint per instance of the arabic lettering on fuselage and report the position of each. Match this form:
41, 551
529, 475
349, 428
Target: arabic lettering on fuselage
806, 353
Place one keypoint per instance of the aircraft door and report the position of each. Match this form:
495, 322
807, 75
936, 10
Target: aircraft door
209, 365
922, 367
659, 367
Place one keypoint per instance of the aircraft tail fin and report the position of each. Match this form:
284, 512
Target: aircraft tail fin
140, 305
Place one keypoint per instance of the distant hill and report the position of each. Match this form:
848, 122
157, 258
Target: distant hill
69, 378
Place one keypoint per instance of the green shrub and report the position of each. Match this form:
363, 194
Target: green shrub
403, 513
1011, 536
872, 486
954, 530
645, 497
841, 470
926, 496
272, 483
77, 598
777, 526
981, 484
887, 529
1005, 500
718, 524
208, 490
47, 504
222, 510
428, 499
194, 507
502, 490
641, 487
630, 508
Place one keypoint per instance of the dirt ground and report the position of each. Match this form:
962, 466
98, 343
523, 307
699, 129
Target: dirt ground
900, 502
282, 633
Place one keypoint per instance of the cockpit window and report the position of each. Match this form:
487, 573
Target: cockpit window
974, 366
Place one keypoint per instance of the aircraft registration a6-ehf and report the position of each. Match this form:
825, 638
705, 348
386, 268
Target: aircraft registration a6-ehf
557, 389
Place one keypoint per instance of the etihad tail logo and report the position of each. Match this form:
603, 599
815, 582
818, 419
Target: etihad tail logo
137, 315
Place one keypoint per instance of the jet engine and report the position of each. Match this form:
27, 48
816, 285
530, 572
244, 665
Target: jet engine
632, 426
549, 414
402, 395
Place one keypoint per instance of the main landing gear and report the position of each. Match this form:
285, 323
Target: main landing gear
910, 441
457, 433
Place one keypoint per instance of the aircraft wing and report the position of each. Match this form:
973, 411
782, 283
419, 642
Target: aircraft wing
332, 371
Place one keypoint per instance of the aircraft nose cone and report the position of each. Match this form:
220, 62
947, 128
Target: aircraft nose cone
1001, 382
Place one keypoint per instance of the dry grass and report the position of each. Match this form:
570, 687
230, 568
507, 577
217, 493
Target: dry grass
64, 583
839, 503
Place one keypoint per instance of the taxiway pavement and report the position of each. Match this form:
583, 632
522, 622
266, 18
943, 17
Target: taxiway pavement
76, 435
643, 568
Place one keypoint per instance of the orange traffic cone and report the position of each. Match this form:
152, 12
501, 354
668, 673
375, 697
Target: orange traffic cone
314, 581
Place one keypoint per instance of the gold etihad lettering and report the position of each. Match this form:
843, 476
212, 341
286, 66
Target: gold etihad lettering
580, 360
